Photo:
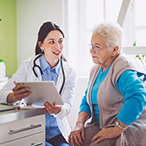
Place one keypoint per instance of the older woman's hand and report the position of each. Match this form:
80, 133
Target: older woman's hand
52, 109
77, 135
107, 133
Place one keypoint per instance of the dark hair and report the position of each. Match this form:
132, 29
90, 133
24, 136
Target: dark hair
43, 32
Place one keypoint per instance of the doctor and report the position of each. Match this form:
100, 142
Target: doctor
48, 64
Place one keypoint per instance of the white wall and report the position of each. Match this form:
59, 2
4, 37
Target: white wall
82, 83
31, 14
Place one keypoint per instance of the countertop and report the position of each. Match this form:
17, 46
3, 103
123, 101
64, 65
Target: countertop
11, 113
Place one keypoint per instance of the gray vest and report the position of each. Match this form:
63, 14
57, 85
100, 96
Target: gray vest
110, 100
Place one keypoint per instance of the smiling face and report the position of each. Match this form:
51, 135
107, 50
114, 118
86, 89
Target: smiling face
100, 53
52, 47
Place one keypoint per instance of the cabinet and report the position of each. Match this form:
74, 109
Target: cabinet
24, 132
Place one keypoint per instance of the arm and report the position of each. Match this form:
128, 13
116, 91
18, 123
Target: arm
132, 88
67, 95
7, 93
77, 134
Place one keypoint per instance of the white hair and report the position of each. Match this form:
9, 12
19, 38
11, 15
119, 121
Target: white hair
111, 33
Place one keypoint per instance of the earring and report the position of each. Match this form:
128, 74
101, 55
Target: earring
113, 56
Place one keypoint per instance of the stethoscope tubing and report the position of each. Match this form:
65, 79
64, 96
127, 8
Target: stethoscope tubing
35, 65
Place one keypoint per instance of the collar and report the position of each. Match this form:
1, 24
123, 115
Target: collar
44, 65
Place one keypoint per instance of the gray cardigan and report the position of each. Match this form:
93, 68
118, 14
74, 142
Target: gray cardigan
110, 101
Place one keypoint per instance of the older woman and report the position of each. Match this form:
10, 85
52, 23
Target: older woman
115, 98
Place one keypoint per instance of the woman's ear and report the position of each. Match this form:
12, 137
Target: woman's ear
40, 45
115, 50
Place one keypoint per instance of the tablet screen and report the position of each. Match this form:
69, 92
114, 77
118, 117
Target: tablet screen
41, 92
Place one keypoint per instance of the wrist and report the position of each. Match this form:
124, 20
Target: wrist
11, 98
79, 125
119, 125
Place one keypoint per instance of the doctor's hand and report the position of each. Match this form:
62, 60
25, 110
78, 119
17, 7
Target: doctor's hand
19, 92
52, 109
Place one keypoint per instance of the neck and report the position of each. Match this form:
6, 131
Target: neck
52, 62
108, 62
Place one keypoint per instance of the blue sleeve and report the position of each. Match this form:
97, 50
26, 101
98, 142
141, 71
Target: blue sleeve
84, 106
131, 86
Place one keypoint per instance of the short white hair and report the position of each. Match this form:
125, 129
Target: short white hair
111, 33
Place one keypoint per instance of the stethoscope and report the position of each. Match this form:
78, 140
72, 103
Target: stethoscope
35, 65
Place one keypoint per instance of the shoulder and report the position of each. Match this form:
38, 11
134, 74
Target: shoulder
93, 70
30, 60
69, 70
125, 62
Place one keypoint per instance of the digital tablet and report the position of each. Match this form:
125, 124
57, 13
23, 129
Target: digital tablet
41, 92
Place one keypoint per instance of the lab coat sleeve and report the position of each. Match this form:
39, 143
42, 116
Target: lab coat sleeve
20, 75
68, 94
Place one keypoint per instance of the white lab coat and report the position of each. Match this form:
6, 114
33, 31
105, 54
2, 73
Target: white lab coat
25, 73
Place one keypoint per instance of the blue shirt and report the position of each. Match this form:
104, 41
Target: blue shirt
101, 76
130, 85
50, 74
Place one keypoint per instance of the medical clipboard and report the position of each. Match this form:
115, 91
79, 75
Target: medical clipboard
41, 92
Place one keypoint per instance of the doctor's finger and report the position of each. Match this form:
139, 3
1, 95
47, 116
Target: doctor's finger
48, 108
22, 95
18, 86
21, 91
47, 103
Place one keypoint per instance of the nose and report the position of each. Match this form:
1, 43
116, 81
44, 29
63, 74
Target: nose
92, 50
57, 46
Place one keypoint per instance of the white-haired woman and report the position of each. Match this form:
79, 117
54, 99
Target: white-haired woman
115, 98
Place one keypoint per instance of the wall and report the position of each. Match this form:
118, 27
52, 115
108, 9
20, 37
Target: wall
8, 35
81, 86
31, 14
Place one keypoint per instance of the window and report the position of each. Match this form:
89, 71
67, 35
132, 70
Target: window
82, 17
140, 22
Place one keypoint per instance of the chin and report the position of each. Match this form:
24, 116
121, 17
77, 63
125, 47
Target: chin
96, 61
57, 56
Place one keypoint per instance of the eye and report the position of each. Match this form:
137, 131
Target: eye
51, 42
97, 47
60, 41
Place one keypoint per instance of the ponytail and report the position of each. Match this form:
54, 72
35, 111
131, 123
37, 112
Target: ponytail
38, 50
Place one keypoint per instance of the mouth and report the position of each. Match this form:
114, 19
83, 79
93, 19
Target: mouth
94, 57
57, 53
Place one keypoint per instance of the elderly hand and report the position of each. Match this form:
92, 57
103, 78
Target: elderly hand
107, 133
77, 135
52, 109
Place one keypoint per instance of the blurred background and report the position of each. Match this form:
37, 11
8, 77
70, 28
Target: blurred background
20, 21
